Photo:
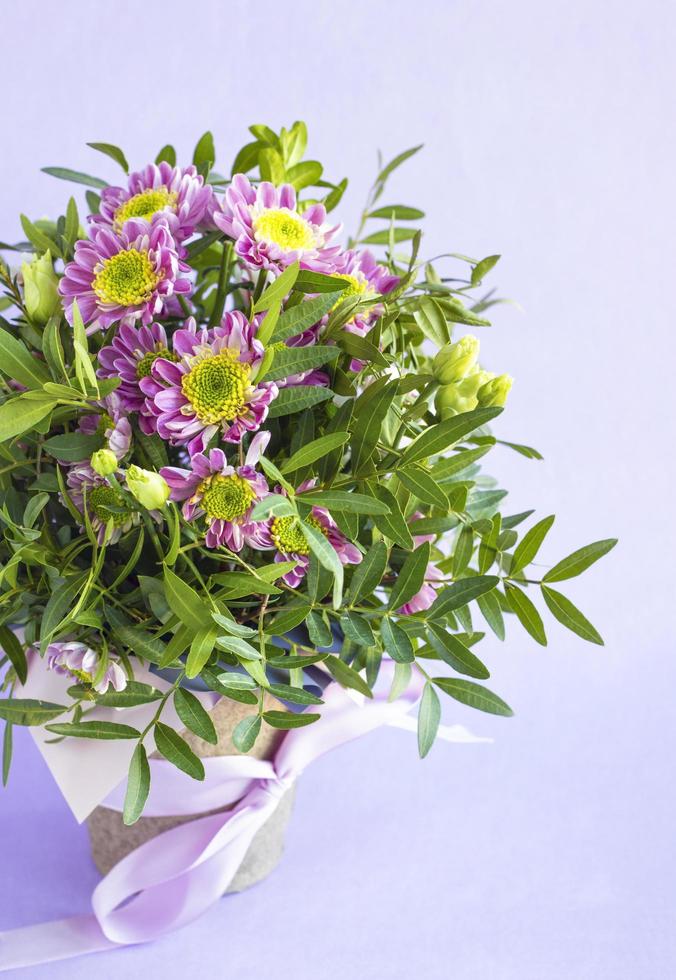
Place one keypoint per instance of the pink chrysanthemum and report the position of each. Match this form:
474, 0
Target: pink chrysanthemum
223, 494
112, 424
269, 230
178, 194
130, 276
286, 535
77, 660
426, 595
211, 388
103, 502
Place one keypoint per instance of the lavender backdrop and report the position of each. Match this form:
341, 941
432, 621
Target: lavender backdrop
549, 138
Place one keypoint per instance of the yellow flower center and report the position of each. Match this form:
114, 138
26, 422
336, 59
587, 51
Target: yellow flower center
226, 497
284, 228
217, 387
126, 279
144, 205
288, 536
106, 502
145, 364
357, 287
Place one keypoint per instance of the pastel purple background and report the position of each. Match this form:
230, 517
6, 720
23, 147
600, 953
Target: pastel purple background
549, 138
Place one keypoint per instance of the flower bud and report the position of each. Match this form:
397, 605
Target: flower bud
104, 462
495, 391
454, 361
150, 489
40, 284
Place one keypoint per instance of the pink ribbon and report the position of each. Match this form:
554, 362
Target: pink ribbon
173, 878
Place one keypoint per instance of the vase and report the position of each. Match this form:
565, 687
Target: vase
111, 839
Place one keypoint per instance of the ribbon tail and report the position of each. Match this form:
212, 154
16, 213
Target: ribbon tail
48, 942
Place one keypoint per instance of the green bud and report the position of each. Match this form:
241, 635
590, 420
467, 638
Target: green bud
150, 489
103, 462
40, 288
453, 399
495, 391
454, 361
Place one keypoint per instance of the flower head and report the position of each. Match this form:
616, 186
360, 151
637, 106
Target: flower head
455, 361
149, 488
80, 662
223, 494
178, 194
495, 391
285, 535
104, 503
111, 424
211, 388
104, 462
130, 276
40, 288
269, 230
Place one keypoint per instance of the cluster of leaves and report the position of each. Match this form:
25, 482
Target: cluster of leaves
387, 468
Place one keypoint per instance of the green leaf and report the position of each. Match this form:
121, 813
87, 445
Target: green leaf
423, 486
460, 593
319, 630
439, 437
286, 719
19, 414
483, 268
347, 676
114, 152
319, 282
140, 643
392, 525
167, 154
431, 319
305, 174
397, 212
204, 155
314, 450
59, 604
138, 786
133, 694
28, 711
397, 162
392, 234
184, 601
19, 365
530, 545
200, 650
194, 716
7, 744
369, 414
299, 318
74, 176
344, 500
464, 547
357, 629
246, 732
296, 360
411, 577
296, 695
327, 556
106, 730
489, 604
473, 695
526, 613
277, 289
429, 716
396, 642
73, 447
15, 651
569, 615
368, 574
177, 751
294, 399
275, 505
455, 653
580, 560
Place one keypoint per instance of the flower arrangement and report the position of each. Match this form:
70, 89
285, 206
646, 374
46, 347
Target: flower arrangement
248, 457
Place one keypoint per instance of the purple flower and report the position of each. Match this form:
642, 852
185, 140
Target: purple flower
103, 502
130, 276
286, 535
178, 194
112, 424
268, 229
77, 660
211, 388
130, 357
222, 493
426, 595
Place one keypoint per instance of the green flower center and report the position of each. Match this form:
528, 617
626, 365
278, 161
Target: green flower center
105, 422
126, 279
285, 228
226, 497
81, 675
144, 205
217, 387
145, 364
101, 499
288, 536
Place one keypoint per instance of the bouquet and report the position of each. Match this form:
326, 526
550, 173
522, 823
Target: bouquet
249, 458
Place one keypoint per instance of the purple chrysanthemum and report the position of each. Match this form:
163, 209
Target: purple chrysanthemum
77, 660
112, 423
268, 229
178, 194
223, 494
211, 388
130, 276
130, 357
103, 502
286, 535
